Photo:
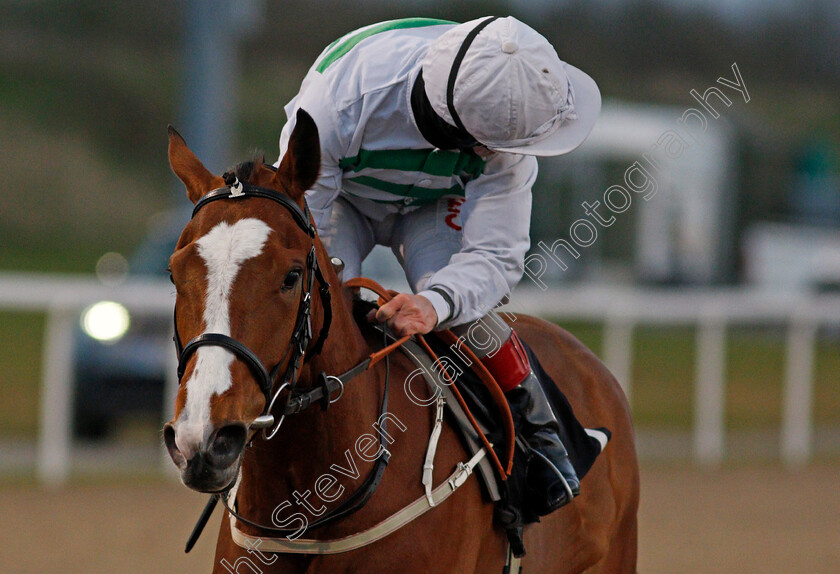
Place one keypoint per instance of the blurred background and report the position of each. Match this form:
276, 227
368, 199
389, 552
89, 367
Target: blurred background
714, 300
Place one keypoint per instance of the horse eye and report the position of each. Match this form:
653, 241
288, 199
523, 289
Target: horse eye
291, 278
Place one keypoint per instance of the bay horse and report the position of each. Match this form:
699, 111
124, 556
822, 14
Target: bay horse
244, 268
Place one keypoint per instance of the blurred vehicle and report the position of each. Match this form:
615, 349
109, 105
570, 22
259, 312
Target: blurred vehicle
121, 359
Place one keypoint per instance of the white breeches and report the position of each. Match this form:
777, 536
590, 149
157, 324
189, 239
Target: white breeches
423, 240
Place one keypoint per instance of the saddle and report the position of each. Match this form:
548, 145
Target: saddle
483, 420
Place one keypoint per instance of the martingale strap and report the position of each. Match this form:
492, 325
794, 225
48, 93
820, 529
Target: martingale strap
360, 539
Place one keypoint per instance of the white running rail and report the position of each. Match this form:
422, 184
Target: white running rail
62, 298
711, 310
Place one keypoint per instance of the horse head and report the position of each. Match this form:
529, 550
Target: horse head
242, 270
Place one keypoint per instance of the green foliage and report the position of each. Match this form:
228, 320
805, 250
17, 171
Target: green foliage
110, 75
20, 372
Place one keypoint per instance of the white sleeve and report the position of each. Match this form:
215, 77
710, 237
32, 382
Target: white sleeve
496, 220
315, 98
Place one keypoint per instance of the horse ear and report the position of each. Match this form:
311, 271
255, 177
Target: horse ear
299, 168
189, 169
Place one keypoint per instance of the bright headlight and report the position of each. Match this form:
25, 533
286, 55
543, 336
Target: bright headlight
105, 321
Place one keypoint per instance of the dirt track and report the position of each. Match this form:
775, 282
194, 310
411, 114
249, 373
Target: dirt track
745, 521
740, 521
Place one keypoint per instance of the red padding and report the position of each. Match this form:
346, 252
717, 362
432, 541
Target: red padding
509, 365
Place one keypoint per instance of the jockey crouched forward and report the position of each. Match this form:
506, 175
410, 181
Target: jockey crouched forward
417, 116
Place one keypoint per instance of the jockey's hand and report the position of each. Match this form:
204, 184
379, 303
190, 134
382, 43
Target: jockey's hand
406, 314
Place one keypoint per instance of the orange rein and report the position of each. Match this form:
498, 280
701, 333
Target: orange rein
450, 338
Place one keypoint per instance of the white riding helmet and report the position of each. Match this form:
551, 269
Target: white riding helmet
503, 83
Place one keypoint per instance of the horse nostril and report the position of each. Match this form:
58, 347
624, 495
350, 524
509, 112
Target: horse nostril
227, 445
169, 440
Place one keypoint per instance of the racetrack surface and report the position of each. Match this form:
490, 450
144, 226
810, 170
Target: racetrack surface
734, 520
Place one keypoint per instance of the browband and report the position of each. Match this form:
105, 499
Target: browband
245, 190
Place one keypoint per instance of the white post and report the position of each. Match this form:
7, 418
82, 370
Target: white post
796, 409
709, 390
54, 440
618, 350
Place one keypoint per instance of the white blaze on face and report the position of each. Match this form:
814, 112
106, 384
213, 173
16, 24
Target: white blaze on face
223, 249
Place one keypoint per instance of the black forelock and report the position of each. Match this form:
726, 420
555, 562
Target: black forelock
244, 170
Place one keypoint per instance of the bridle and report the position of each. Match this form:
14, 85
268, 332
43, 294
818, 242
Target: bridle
298, 351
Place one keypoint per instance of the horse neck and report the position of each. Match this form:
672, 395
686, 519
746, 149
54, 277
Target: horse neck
313, 440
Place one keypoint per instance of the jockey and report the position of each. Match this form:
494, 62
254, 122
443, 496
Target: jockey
429, 131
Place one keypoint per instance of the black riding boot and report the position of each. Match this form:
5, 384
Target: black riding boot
552, 480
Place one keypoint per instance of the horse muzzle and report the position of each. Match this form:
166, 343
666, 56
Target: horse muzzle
207, 465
